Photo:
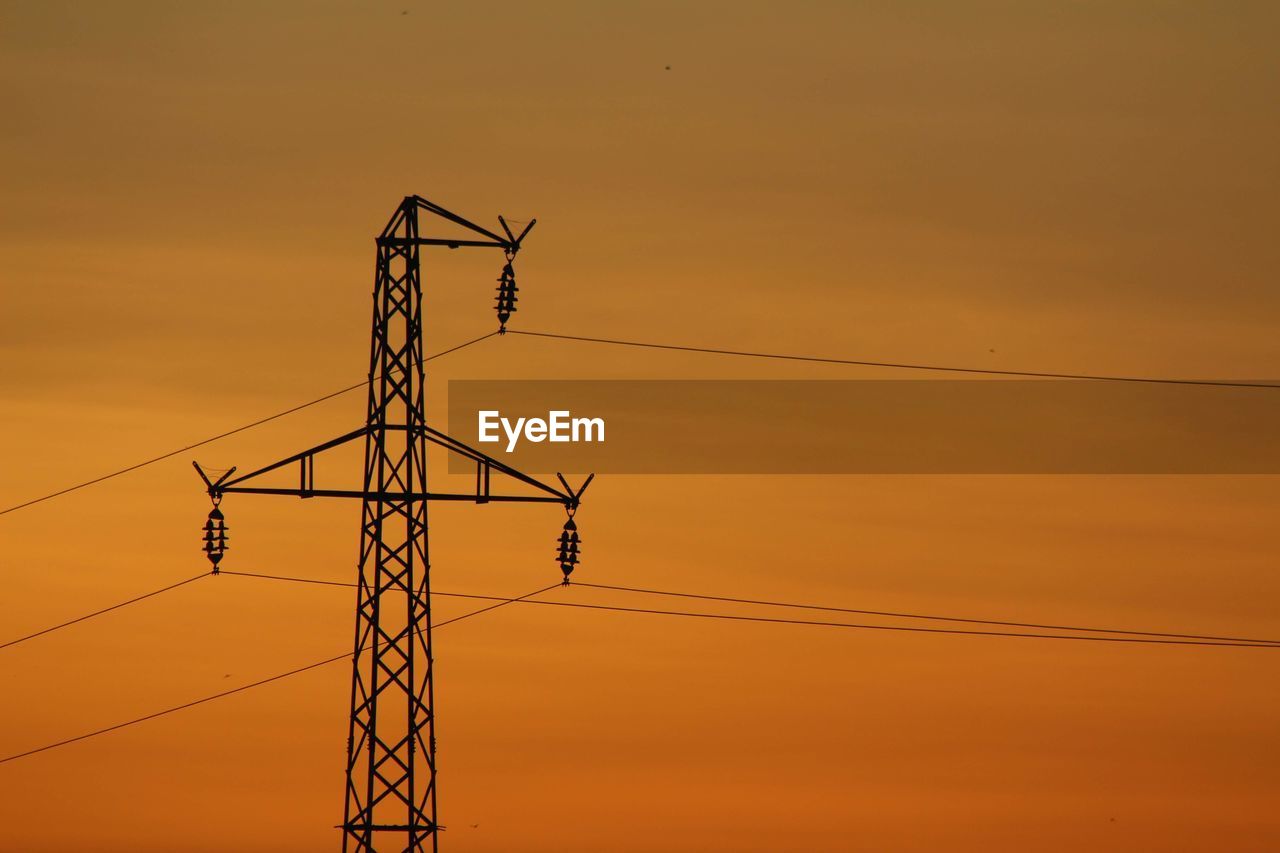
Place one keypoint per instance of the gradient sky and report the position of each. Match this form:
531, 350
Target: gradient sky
190, 198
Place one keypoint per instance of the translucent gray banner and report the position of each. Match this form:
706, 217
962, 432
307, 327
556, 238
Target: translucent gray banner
866, 427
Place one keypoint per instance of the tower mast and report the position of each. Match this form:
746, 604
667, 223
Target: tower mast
390, 796
391, 739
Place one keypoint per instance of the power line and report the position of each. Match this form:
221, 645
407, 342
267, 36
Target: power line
135, 721
528, 599
242, 688
1149, 638
78, 619
646, 345
900, 615
314, 581
223, 435
703, 597
295, 580
903, 628
896, 365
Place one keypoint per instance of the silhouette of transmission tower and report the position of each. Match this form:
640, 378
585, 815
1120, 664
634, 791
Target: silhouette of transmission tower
391, 745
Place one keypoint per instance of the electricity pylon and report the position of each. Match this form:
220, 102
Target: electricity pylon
391, 745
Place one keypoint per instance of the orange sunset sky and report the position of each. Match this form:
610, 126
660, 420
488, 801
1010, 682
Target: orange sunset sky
190, 199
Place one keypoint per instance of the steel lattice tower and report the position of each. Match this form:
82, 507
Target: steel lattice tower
392, 734
390, 796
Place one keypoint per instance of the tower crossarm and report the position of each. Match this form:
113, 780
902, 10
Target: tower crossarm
486, 466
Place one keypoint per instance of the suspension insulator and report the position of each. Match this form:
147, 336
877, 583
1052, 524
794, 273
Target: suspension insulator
506, 301
567, 555
215, 537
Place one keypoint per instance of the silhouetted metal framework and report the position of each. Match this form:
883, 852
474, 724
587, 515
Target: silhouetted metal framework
391, 746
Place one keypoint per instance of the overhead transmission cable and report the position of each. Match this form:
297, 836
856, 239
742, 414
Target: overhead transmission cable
658, 346
931, 617
87, 616
529, 599
242, 688
903, 628
1150, 637
895, 365
226, 434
